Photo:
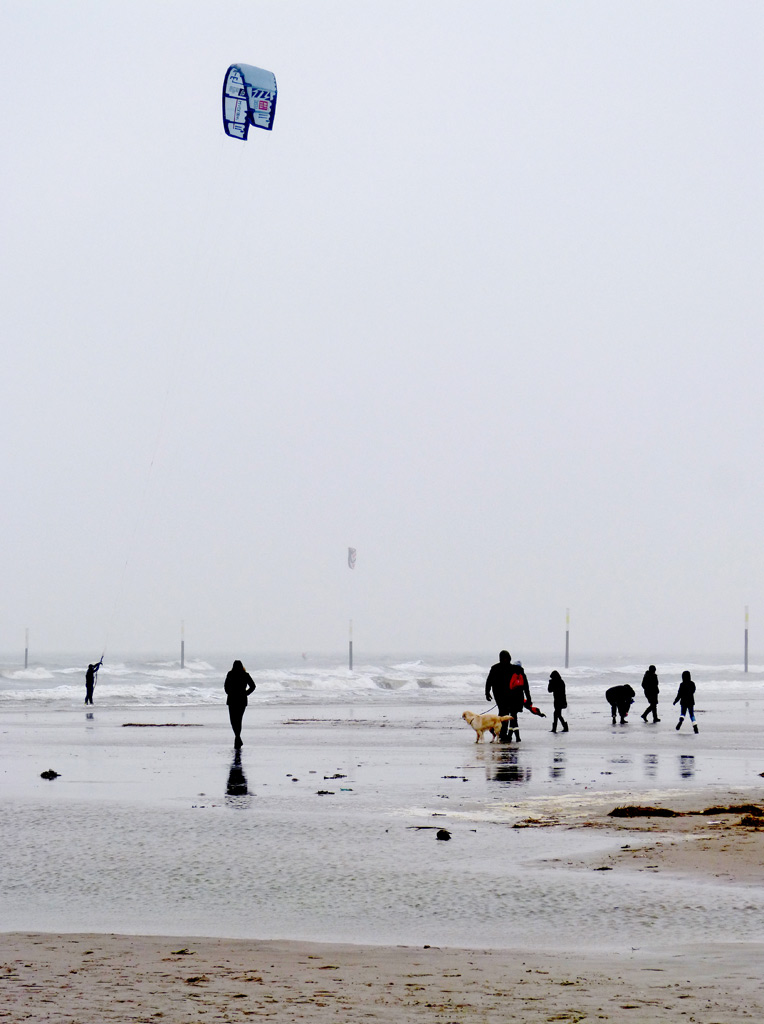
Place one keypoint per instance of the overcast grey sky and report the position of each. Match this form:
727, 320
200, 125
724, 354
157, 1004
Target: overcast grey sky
485, 305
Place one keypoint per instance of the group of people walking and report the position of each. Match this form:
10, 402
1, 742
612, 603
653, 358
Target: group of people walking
507, 685
620, 698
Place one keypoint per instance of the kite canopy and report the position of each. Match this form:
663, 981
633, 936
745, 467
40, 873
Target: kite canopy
249, 97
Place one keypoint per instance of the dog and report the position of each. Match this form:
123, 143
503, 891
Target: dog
484, 723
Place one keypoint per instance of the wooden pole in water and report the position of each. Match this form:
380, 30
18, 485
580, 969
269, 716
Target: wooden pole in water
745, 642
182, 644
26, 647
567, 637
350, 647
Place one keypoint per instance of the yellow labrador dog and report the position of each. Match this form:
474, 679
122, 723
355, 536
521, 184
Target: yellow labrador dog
484, 723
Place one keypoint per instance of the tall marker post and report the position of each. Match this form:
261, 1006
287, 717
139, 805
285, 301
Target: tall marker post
745, 642
351, 565
182, 643
567, 637
26, 647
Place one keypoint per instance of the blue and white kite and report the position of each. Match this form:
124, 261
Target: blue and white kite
249, 97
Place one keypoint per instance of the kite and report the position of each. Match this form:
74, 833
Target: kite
249, 97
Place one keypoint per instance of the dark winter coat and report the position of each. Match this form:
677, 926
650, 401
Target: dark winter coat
685, 695
621, 697
650, 686
238, 685
557, 688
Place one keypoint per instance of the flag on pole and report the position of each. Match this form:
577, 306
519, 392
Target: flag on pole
351, 558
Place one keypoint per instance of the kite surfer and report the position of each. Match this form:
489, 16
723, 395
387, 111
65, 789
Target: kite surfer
90, 680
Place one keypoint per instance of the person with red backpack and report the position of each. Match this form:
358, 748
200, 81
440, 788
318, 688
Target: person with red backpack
519, 697
508, 686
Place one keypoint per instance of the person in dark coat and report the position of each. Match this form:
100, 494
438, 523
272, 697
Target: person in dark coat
557, 688
497, 688
620, 698
509, 685
685, 696
238, 685
90, 681
651, 690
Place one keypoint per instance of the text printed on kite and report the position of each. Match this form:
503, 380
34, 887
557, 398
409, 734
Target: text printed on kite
249, 98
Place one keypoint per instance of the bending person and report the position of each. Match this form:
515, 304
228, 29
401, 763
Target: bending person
620, 698
238, 685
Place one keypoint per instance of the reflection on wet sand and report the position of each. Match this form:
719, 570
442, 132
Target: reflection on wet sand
507, 768
237, 792
557, 767
651, 765
687, 766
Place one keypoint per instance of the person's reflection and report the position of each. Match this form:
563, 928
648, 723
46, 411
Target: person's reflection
557, 767
687, 766
508, 770
237, 783
651, 765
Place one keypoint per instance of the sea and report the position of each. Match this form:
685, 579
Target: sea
58, 681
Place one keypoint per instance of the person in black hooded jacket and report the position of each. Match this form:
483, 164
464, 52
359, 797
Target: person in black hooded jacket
651, 691
238, 686
685, 697
557, 688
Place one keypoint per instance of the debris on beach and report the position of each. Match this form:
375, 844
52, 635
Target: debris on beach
751, 809
637, 811
536, 823
162, 725
324, 792
182, 952
50, 774
752, 821
443, 833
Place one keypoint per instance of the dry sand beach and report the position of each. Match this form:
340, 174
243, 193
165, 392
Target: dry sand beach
83, 979
159, 878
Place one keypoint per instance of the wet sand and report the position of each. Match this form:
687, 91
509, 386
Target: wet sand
541, 907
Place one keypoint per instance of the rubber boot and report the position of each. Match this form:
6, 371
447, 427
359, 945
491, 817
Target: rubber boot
694, 727
564, 726
679, 723
517, 735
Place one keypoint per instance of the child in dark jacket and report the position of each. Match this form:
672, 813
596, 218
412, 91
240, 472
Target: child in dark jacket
557, 689
685, 696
